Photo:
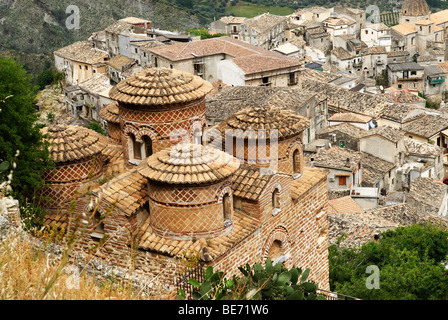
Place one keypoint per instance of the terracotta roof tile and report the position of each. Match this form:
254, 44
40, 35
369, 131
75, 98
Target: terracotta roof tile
188, 164
343, 205
110, 112
310, 177
71, 143
82, 51
160, 86
248, 182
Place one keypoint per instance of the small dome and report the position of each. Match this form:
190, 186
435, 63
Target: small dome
160, 86
71, 143
264, 119
188, 164
415, 8
110, 112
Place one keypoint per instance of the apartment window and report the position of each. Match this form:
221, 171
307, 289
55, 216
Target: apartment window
399, 86
276, 199
413, 73
136, 50
87, 68
415, 85
342, 180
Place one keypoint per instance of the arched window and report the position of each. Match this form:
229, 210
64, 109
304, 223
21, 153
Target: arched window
197, 136
136, 146
296, 161
97, 225
276, 199
148, 146
276, 250
227, 208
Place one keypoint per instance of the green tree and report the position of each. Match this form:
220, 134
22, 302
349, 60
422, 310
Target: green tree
410, 261
20, 138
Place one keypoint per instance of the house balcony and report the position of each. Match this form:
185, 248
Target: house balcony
436, 80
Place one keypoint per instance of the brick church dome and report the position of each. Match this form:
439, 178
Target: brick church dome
264, 119
160, 86
71, 143
415, 8
110, 112
189, 164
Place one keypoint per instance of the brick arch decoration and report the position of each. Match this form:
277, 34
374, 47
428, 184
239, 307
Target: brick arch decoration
225, 189
281, 234
139, 132
275, 186
296, 145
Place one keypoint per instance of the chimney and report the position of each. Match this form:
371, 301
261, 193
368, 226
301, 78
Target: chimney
347, 162
311, 162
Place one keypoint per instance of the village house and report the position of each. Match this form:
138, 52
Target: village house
339, 25
376, 35
266, 30
429, 127
117, 66
80, 61
357, 120
232, 61
434, 82
408, 75
343, 135
345, 166
172, 200
228, 25
316, 37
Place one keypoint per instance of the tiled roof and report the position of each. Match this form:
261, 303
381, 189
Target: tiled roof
248, 182
265, 121
403, 96
188, 164
374, 169
82, 51
339, 21
264, 22
310, 177
444, 66
343, 205
127, 192
231, 100
386, 132
263, 63
119, 62
231, 19
428, 191
349, 117
416, 147
98, 84
341, 53
337, 158
160, 86
317, 75
209, 249
110, 112
72, 143
118, 27
439, 17
426, 125
346, 128
404, 28
405, 66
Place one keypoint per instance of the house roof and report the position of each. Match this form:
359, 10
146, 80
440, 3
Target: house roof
71, 143
110, 112
444, 66
426, 125
339, 21
263, 63
439, 17
374, 169
402, 96
134, 20
98, 84
341, 53
127, 192
337, 158
233, 99
188, 164
264, 122
248, 182
233, 20
433, 70
208, 249
264, 22
309, 178
349, 117
82, 51
405, 66
160, 86
345, 128
415, 147
404, 28
343, 204
387, 132
428, 191
118, 62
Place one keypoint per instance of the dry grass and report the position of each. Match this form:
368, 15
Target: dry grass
27, 274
